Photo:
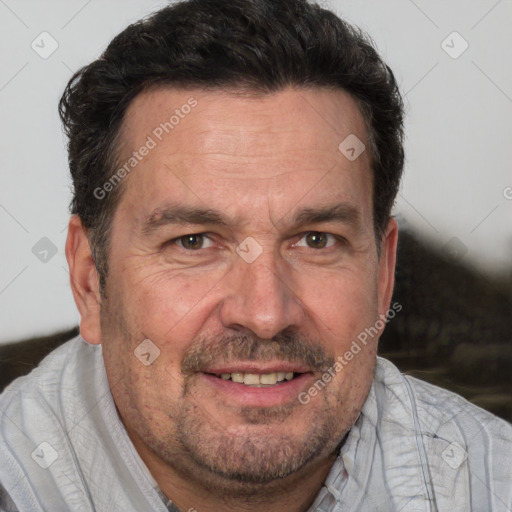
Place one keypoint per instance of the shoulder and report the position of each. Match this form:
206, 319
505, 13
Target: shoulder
38, 413
51, 370
465, 447
41, 395
439, 410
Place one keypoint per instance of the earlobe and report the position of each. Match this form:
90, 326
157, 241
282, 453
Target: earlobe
84, 280
387, 265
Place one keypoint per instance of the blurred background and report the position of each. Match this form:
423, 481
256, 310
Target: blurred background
454, 277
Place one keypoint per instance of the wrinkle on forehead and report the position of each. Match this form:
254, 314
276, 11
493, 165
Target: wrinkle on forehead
263, 156
239, 125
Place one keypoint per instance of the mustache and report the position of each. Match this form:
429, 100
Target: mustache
294, 348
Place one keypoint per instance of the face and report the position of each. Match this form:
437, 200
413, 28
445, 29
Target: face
243, 248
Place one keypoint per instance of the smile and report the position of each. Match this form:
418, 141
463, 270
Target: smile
258, 385
258, 380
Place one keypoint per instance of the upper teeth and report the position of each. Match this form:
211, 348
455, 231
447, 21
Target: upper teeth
254, 379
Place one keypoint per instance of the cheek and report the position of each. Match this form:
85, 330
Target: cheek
342, 313
143, 393
343, 305
167, 305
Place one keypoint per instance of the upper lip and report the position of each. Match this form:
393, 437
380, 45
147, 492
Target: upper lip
261, 368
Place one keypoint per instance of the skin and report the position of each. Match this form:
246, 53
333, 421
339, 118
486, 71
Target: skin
259, 161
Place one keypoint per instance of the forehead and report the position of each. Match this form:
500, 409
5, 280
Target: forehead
231, 151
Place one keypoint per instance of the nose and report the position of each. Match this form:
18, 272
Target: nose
260, 296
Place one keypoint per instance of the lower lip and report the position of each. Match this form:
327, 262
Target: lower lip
242, 395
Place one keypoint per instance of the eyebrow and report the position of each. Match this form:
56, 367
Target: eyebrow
343, 212
178, 214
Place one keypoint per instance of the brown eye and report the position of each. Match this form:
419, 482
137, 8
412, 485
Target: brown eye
317, 240
192, 242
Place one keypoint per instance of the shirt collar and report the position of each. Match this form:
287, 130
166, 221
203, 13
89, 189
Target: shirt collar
343, 467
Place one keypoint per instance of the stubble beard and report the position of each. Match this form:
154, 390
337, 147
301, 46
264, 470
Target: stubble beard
241, 462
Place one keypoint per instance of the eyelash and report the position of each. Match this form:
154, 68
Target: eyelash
177, 240
333, 237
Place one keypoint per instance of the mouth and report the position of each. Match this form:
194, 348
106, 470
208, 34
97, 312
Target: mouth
246, 384
256, 380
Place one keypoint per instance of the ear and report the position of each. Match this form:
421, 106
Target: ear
387, 265
84, 281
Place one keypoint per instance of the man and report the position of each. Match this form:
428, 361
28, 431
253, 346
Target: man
232, 255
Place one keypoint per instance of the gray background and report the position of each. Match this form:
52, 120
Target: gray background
457, 190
